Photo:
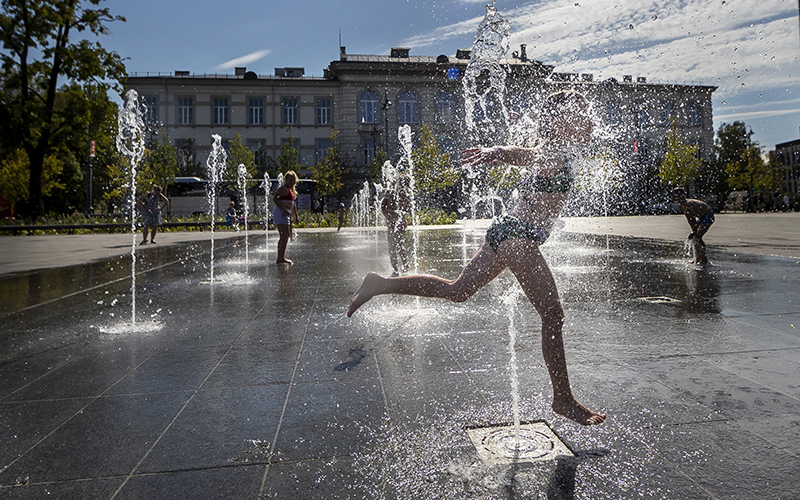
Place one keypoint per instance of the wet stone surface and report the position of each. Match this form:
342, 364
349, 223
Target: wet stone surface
260, 386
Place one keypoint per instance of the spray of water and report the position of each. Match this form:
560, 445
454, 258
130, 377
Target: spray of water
215, 166
130, 144
266, 211
242, 183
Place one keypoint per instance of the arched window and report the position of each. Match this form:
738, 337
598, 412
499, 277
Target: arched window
368, 107
445, 108
407, 108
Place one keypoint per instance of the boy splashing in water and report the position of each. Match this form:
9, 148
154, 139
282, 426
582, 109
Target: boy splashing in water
700, 217
513, 240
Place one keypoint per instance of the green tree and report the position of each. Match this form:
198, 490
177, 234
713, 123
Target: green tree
680, 163
374, 170
332, 171
433, 169
289, 159
752, 173
160, 165
730, 145
239, 154
37, 51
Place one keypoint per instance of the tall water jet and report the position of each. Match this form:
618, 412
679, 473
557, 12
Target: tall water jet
242, 183
130, 144
405, 182
266, 211
485, 111
215, 166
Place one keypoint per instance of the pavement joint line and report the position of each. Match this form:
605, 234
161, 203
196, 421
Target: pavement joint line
723, 353
191, 397
93, 400
289, 389
67, 361
86, 290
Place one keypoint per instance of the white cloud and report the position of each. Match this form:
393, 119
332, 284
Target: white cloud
244, 60
737, 45
754, 115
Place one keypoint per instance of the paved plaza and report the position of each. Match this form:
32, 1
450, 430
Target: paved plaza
257, 385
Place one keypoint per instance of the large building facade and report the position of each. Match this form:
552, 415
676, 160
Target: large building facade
788, 156
365, 98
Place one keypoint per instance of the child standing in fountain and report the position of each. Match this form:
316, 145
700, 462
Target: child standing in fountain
285, 207
151, 212
700, 217
513, 240
394, 206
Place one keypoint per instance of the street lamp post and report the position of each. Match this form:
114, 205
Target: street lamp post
385, 105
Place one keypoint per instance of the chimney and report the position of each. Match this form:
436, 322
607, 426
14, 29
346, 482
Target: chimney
523, 56
240, 71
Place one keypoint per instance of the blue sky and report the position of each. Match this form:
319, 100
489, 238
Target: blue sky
750, 49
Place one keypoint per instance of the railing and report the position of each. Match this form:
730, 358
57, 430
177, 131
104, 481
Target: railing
110, 227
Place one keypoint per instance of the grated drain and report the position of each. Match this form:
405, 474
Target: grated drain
537, 443
661, 300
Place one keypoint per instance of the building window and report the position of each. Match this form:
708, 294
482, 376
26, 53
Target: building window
368, 107
695, 115
407, 108
150, 110
220, 111
445, 108
323, 111
290, 110
667, 110
256, 146
256, 111
185, 110
612, 112
369, 151
323, 147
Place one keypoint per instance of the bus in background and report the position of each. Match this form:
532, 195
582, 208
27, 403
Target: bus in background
188, 196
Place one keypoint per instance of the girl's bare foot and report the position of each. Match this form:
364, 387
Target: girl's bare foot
579, 413
368, 289
284, 261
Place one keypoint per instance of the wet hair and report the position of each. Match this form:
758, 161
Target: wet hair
156, 188
560, 104
291, 175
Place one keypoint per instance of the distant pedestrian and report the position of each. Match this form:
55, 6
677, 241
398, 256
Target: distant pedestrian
152, 204
341, 213
231, 218
786, 202
700, 217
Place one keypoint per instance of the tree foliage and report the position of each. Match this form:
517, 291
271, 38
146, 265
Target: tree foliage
331, 172
752, 173
239, 154
433, 169
289, 159
680, 164
38, 50
160, 165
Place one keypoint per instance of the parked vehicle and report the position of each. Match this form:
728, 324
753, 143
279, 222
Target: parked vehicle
737, 200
